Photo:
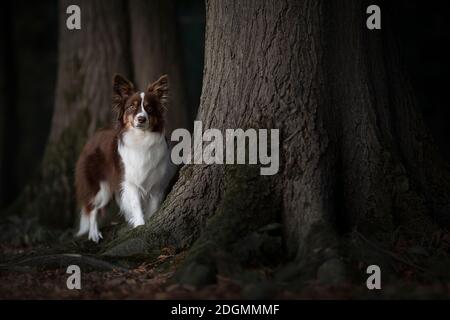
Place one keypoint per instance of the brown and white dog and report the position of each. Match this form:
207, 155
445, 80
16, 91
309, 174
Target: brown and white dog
130, 163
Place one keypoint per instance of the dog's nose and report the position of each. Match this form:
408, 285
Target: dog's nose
141, 119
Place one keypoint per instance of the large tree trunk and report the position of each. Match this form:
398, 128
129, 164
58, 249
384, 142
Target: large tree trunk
156, 51
87, 60
354, 151
391, 171
263, 69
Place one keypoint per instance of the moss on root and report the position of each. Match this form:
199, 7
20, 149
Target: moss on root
242, 232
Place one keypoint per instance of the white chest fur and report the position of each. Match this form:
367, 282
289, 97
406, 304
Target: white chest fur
145, 157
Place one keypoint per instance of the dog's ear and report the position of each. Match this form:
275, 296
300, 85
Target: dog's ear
122, 87
161, 88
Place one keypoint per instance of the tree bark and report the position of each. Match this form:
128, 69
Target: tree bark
87, 60
156, 51
392, 173
270, 74
354, 151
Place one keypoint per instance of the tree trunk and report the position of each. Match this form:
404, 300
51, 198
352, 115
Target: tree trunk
391, 171
354, 153
87, 60
155, 50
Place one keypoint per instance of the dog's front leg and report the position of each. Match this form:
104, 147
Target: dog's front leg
131, 204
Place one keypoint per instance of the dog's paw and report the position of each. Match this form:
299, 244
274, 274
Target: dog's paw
137, 224
95, 236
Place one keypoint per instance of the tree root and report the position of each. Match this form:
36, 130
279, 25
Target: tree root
60, 261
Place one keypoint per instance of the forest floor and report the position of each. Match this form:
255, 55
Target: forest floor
147, 280
31, 268
144, 281
153, 280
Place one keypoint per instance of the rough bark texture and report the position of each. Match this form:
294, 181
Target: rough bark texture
88, 58
354, 151
391, 171
267, 75
155, 50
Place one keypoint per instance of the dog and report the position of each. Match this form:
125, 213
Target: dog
130, 162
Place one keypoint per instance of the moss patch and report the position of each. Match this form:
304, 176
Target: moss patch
240, 231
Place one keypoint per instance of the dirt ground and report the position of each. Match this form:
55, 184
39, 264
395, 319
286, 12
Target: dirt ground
145, 281
423, 273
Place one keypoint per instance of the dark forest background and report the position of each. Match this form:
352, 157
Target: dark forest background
28, 59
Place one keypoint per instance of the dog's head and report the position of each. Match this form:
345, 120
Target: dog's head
140, 110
